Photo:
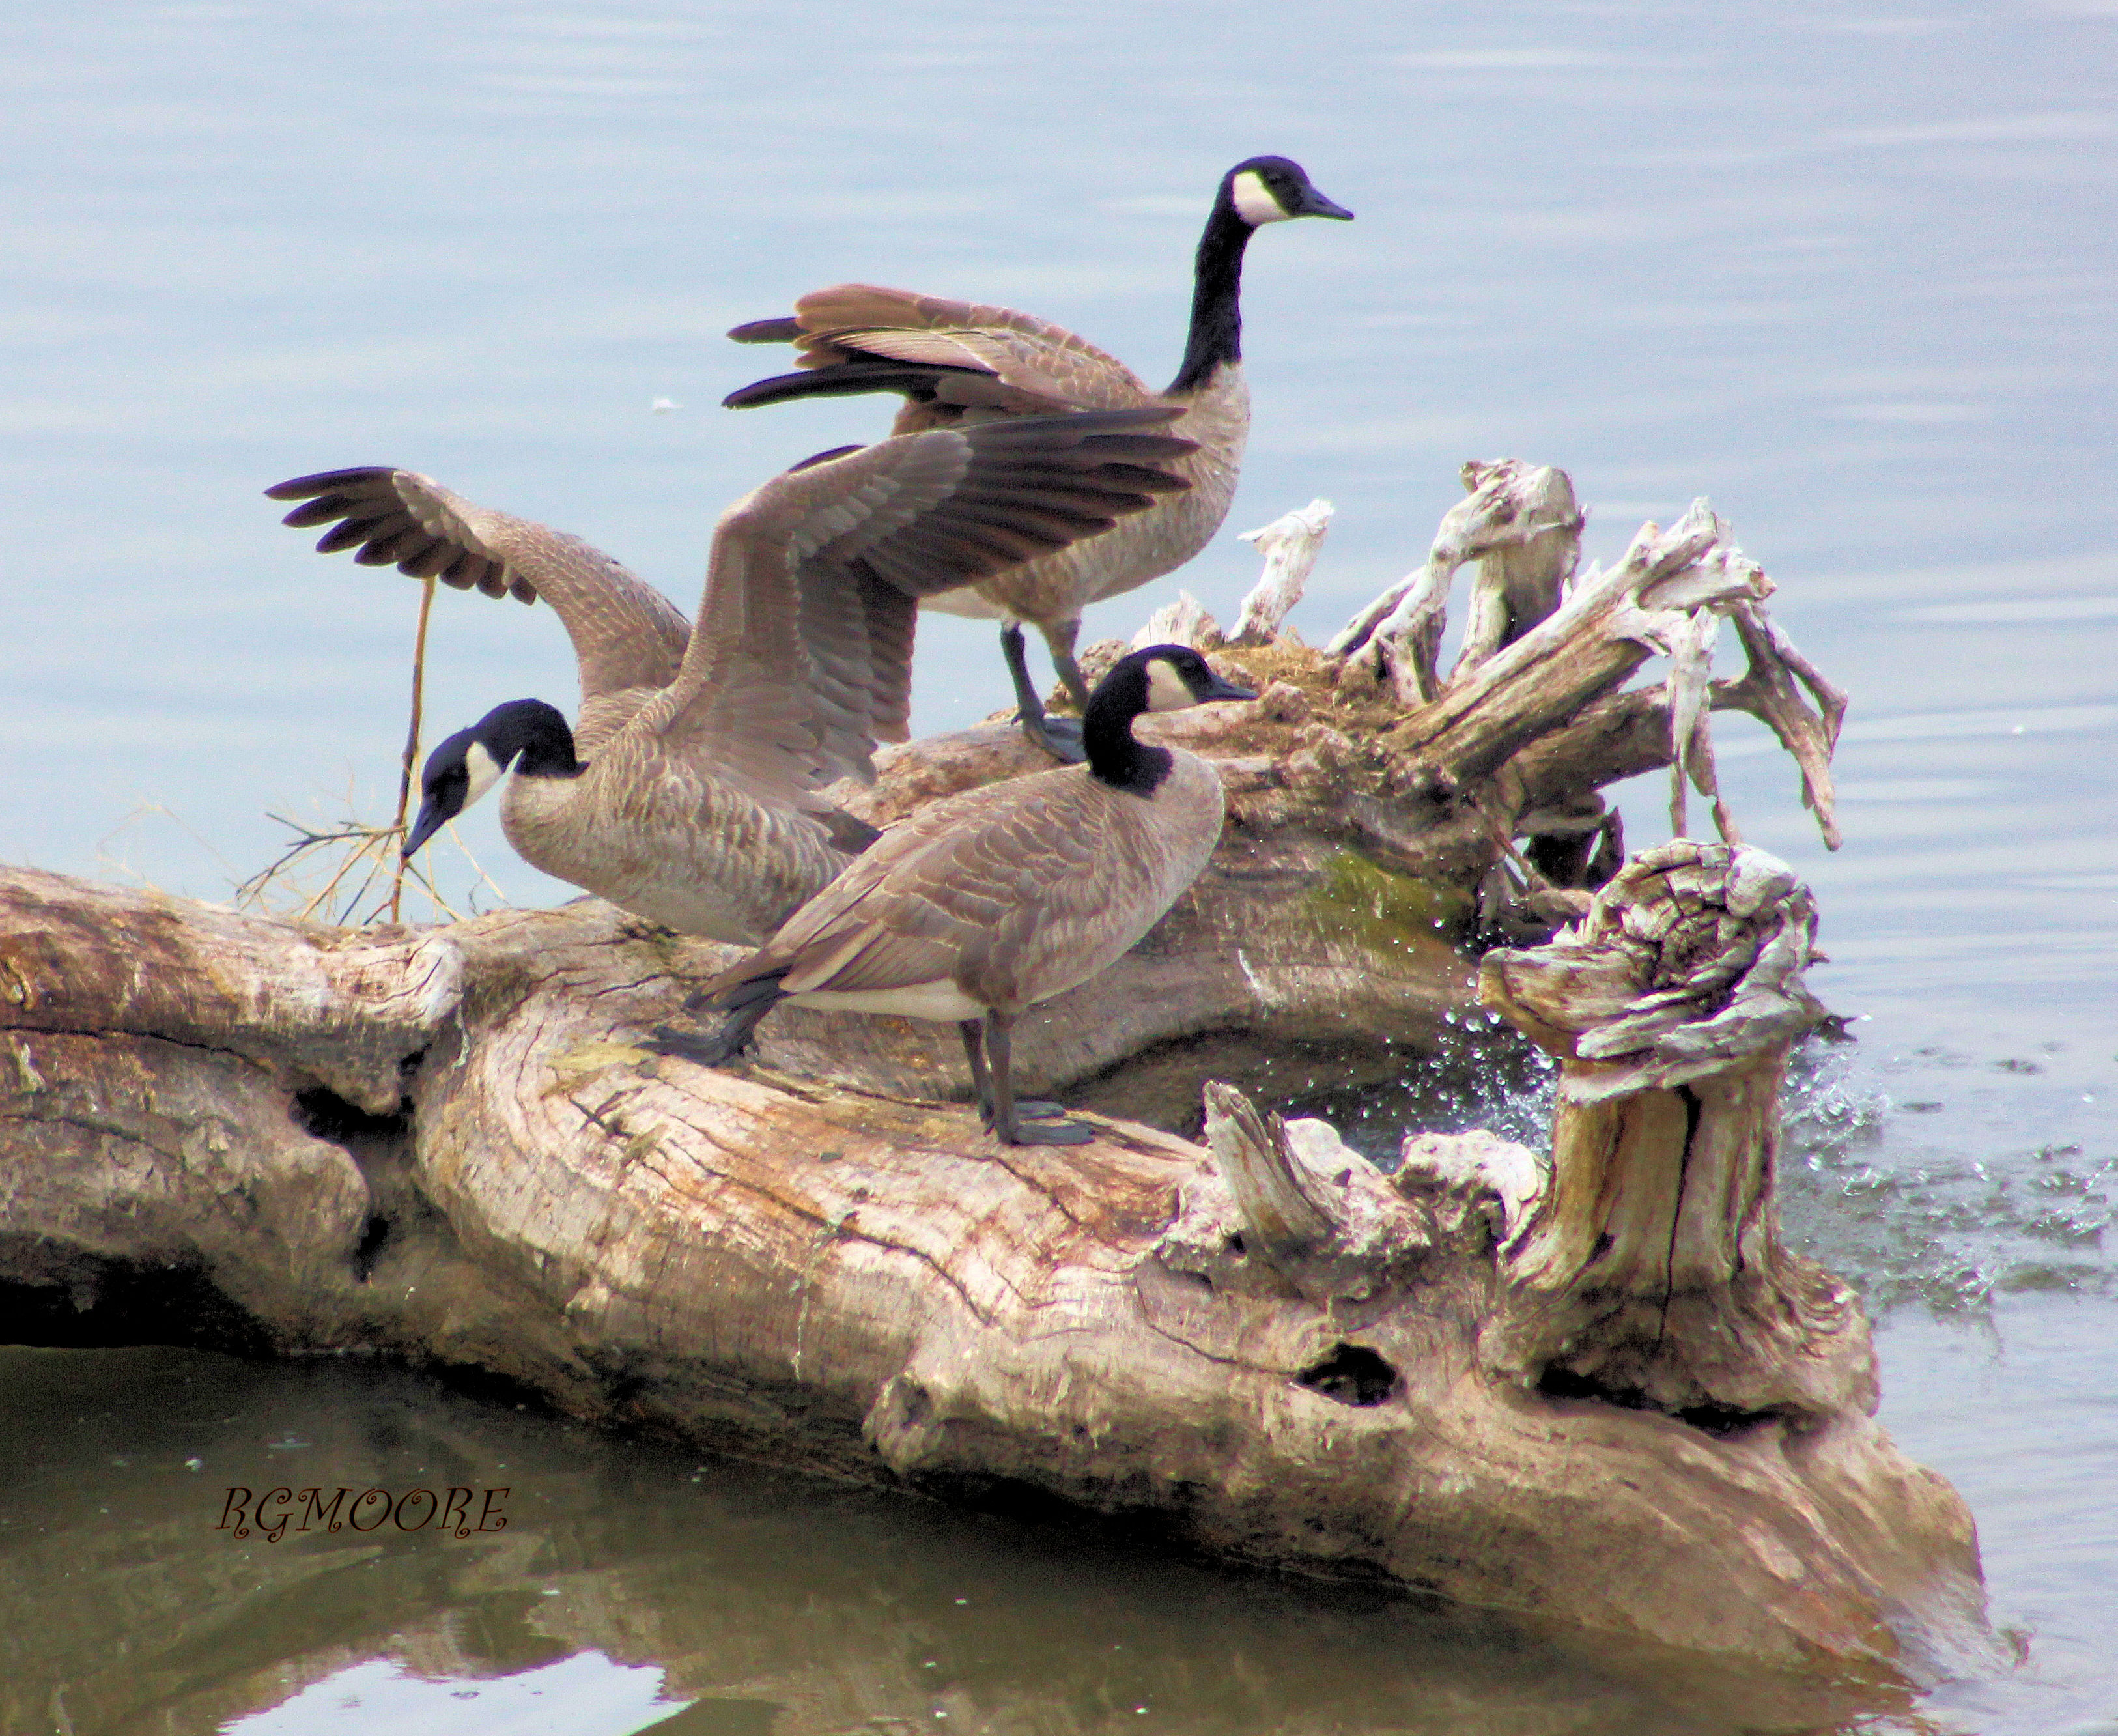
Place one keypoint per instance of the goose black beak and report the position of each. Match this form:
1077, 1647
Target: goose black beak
431, 820
1224, 690
1314, 204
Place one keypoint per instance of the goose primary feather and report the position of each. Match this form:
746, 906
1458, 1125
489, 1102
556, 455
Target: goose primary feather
960, 362
691, 792
995, 899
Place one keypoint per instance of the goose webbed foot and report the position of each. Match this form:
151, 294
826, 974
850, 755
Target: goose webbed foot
1035, 1108
715, 1050
1059, 737
1044, 1133
747, 1006
988, 1045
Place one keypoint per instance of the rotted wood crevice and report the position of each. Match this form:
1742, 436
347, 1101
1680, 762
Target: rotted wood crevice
450, 1145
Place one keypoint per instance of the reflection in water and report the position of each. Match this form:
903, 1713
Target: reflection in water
779, 1605
583, 1695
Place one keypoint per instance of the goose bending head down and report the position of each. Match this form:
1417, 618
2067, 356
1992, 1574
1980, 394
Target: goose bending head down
525, 735
994, 898
695, 800
960, 362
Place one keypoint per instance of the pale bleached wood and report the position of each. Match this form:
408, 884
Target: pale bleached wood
1523, 570
1289, 544
1541, 647
1184, 622
1672, 1008
1609, 625
1522, 522
1771, 688
1283, 1212
348, 1003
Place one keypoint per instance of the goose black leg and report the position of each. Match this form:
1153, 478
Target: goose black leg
731, 1041
973, 1033
1030, 1109
1059, 737
1008, 1124
1060, 641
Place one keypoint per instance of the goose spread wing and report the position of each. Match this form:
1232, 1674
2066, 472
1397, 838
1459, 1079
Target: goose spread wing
626, 634
1045, 367
801, 660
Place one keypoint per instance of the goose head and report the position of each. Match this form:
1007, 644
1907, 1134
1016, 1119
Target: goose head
525, 735
1162, 677
1262, 190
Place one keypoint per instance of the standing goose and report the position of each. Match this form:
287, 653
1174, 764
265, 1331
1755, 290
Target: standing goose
961, 362
995, 899
695, 803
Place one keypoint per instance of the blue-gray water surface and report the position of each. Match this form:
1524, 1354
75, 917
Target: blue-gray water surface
1848, 270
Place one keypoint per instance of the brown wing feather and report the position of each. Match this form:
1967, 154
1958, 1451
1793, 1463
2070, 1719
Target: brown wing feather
933, 894
801, 657
626, 634
1033, 356
1015, 892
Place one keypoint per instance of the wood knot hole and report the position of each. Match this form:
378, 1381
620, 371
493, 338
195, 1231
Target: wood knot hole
1352, 1374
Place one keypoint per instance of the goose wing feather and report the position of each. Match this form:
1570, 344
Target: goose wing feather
801, 659
1014, 892
626, 634
1046, 364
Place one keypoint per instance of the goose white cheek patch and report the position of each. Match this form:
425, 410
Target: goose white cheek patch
483, 770
1254, 203
1166, 689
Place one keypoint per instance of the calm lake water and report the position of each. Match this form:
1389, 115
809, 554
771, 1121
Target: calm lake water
1848, 271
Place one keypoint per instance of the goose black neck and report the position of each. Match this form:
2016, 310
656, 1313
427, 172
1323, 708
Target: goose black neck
1114, 757
1217, 290
532, 739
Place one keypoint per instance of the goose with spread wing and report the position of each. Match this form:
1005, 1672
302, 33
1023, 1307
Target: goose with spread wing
692, 792
959, 363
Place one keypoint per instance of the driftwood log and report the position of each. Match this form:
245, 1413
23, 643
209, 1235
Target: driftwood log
1603, 1394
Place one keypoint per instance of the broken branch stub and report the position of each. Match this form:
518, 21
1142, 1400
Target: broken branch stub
1283, 1214
1609, 625
1525, 561
1690, 730
1184, 622
1652, 1272
1524, 523
1768, 690
1289, 544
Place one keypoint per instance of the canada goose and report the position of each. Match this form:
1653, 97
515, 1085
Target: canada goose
694, 802
959, 363
995, 899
